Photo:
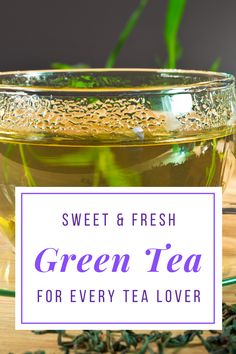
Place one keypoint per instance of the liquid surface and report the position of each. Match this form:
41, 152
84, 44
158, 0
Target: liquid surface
201, 163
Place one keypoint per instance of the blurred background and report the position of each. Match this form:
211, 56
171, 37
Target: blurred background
35, 34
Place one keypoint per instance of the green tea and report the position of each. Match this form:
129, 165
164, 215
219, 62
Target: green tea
193, 163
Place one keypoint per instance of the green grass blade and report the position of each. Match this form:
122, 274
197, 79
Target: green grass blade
216, 64
174, 15
125, 33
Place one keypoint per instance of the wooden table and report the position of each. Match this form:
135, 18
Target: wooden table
18, 342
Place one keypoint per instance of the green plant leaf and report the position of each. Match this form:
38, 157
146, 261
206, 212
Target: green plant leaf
5, 165
113, 175
102, 159
28, 175
212, 169
58, 65
125, 33
174, 15
85, 158
216, 64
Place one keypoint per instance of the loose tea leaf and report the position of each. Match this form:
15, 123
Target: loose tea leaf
155, 342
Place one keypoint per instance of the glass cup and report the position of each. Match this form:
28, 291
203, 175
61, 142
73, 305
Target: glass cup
111, 127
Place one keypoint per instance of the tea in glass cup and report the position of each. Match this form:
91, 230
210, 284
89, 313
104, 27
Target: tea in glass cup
111, 127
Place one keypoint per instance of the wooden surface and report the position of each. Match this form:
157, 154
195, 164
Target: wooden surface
18, 342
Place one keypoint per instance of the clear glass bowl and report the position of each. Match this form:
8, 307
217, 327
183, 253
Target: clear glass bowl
103, 127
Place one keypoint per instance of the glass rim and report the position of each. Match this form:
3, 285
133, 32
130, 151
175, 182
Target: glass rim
208, 80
